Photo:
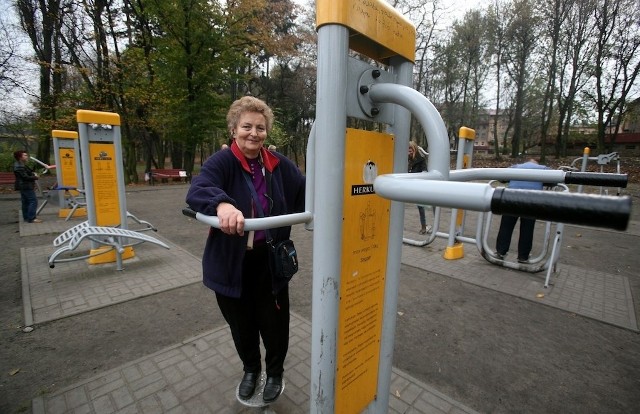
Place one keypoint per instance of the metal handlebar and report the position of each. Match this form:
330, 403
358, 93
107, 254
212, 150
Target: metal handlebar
583, 209
255, 223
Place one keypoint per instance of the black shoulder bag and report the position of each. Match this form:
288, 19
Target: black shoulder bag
283, 258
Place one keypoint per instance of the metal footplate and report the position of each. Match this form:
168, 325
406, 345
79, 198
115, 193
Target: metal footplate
256, 399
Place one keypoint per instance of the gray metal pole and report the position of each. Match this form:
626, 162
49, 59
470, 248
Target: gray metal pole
331, 121
400, 129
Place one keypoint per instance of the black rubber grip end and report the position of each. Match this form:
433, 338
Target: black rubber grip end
583, 209
597, 179
188, 212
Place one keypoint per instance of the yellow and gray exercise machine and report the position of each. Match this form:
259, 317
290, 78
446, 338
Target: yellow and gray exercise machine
103, 176
357, 242
66, 150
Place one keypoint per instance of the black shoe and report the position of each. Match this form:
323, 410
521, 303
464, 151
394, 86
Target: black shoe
523, 260
248, 384
272, 389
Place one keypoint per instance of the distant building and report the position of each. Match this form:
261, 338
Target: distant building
581, 135
484, 142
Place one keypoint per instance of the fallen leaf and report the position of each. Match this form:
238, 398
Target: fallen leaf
400, 313
397, 393
14, 371
540, 295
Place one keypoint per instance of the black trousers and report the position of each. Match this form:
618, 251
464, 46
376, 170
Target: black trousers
258, 313
525, 242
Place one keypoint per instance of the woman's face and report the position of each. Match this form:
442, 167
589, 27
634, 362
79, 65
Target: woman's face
412, 153
250, 133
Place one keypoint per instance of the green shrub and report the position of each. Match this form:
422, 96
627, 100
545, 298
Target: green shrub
6, 157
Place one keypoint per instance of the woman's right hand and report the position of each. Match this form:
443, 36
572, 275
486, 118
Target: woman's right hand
231, 219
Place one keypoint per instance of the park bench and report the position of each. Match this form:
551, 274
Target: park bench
168, 173
7, 178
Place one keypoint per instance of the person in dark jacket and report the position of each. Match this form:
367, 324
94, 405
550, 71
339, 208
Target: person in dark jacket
418, 164
235, 262
25, 183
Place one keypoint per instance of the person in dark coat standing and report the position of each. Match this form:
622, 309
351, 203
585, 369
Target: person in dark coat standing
418, 164
25, 183
235, 262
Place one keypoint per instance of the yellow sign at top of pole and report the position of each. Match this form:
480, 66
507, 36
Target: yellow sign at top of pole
59, 133
378, 30
96, 117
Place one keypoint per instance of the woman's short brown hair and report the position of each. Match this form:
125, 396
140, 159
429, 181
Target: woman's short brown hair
18, 154
248, 104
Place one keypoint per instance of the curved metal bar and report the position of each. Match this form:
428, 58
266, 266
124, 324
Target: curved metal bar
427, 115
255, 223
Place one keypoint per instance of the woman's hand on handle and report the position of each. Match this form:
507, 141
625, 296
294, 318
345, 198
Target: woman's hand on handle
231, 219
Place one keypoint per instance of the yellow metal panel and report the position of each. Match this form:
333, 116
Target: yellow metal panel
109, 255
454, 252
467, 133
378, 30
67, 167
96, 117
364, 262
80, 212
105, 188
59, 133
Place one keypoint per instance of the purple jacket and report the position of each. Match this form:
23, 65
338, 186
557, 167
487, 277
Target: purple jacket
221, 180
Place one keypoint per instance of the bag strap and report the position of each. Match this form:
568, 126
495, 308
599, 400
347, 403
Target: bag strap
257, 203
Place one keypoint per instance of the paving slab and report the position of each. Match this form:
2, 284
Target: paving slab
200, 375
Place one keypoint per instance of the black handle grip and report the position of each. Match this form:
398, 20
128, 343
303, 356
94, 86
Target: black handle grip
598, 179
188, 212
584, 209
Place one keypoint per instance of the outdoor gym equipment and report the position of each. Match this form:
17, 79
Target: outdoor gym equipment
456, 236
68, 186
601, 160
46, 169
107, 224
358, 240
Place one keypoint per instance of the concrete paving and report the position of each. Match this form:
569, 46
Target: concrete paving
200, 374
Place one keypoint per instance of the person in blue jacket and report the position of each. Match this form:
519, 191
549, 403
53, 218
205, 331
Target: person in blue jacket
527, 225
25, 183
235, 262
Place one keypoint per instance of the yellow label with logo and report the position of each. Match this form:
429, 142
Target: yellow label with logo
67, 166
364, 261
104, 177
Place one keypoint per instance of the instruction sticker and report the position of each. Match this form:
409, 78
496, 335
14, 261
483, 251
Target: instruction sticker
364, 261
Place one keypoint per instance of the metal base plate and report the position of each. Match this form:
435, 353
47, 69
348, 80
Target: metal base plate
256, 398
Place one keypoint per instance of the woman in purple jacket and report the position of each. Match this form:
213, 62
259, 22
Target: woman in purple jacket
235, 262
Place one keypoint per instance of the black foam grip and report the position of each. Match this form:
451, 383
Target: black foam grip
598, 179
584, 209
188, 212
